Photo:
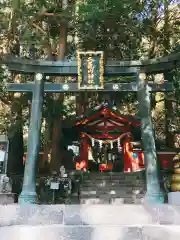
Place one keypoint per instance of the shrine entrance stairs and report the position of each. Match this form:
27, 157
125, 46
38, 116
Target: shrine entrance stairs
113, 188
89, 222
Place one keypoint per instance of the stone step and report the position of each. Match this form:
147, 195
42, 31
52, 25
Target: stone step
113, 186
103, 184
138, 173
112, 200
34, 215
95, 200
115, 180
7, 198
91, 232
110, 190
115, 200
111, 179
112, 195
89, 222
114, 176
118, 185
116, 189
107, 200
106, 188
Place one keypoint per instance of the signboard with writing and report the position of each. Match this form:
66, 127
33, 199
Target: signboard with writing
2, 156
90, 70
137, 146
54, 186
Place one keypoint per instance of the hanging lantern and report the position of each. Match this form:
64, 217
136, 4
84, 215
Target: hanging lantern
93, 142
120, 149
119, 145
111, 144
118, 142
100, 143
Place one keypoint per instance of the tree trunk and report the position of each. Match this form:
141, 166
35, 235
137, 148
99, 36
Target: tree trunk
16, 144
168, 116
85, 104
167, 76
56, 156
15, 132
79, 107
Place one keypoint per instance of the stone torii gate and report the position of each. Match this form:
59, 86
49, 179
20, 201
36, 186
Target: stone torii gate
93, 81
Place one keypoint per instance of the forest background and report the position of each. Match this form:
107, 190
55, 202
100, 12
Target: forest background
55, 30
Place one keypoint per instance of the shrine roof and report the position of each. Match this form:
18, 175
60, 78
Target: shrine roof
103, 111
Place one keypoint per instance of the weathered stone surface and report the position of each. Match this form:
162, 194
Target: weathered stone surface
160, 232
174, 198
108, 215
7, 198
95, 214
90, 232
89, 222
166, 214
30, 214
103, 200
117, 201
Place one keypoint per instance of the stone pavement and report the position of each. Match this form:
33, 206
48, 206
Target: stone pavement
89, 222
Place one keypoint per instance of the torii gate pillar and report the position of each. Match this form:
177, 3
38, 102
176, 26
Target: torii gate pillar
153, 194
28, 194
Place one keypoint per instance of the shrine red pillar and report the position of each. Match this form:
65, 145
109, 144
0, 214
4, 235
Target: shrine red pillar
84, 150
127, 150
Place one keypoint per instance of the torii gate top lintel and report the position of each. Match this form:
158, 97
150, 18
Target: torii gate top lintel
111, 68
90, 69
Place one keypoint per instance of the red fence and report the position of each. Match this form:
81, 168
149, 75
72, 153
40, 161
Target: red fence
165, 158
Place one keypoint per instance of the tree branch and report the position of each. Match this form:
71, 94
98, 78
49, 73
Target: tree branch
4, 100
173, 100
38, 27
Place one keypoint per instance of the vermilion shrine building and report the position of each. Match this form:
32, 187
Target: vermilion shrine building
102, 134
105, 134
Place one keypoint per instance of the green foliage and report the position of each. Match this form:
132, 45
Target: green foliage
15, 4
176, 81
123, 29
111, 26
118, 27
